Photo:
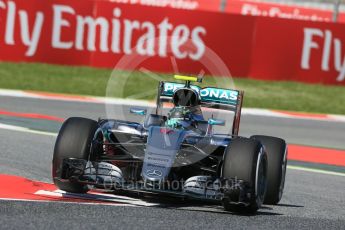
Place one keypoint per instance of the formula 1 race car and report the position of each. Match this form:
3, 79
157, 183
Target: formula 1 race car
175, 151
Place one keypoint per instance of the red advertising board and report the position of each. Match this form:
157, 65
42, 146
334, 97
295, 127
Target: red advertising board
108, 34
202, 33
299, 51
243, 7
209, 5
276, 10
100, 33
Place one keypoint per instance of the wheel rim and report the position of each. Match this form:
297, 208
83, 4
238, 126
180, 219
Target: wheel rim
261, 178
282, 181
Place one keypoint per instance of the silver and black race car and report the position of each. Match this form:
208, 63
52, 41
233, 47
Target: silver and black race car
175, 151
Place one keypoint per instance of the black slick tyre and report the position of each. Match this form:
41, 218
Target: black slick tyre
276, 149
74, 141
245, 160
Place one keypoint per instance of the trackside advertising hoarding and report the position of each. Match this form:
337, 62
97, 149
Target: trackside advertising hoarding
279, 10
210, 5
299, 51
243, 7
103, 33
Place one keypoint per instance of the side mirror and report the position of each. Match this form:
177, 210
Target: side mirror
216, 122
138, 111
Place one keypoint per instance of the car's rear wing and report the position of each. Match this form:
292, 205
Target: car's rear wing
210, 97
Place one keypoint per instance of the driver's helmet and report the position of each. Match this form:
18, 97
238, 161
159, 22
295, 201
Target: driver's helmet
179, 117
181, 113
185, 102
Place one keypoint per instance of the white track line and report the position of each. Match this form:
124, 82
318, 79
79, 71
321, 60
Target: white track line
315, 170
69, 202
25, 130
96, 197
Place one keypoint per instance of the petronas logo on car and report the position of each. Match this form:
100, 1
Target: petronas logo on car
208, 94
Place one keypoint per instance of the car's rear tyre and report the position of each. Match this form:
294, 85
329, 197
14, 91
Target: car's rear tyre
245, 159
276, 149
74, 141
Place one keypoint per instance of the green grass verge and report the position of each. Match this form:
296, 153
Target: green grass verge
90, 81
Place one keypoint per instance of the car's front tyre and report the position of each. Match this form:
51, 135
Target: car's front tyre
74, 141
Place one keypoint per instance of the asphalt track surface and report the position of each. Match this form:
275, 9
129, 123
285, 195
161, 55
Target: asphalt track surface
310, 201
